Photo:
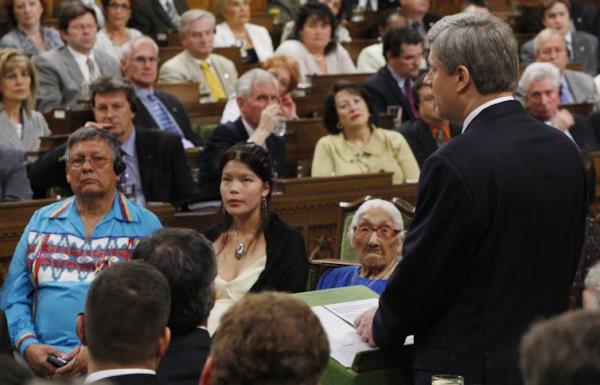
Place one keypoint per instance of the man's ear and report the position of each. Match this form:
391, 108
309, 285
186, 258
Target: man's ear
80, 327
463, 79
209, 366
163, 343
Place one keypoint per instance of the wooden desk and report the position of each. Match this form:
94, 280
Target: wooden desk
64, 122
323, 84
356, 45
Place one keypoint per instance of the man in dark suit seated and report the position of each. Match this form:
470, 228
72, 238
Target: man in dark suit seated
65, 73
259, 102
155, 109
392, 85
499, 224
156, 16
124, 325
539, 86
430, 131
187, 260
581, 46
157, 169
268, 338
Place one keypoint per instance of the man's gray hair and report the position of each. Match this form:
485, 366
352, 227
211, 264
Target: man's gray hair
545, 34
536, 72
386, 206
84, 134
482, 43
129, 47
252, 77
195, 14
592, 283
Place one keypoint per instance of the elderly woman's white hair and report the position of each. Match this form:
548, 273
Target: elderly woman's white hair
592, 284
386, 206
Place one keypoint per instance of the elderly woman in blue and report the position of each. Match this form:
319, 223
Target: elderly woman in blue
377, 235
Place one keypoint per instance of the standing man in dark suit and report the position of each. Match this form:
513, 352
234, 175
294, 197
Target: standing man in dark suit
392, 84
65, 73
124, 325
488, 251
259, 102
157, 169
430, 131
157, 16
154, 108
187, 260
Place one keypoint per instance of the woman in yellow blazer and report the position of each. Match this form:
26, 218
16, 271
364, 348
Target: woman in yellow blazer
355, 146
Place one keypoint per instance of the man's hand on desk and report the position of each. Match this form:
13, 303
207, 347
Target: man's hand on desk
364, 325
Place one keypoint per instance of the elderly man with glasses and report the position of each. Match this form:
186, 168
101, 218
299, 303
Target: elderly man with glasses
65, 245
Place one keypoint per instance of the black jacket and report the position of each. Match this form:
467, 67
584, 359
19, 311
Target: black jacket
164, 171
185, 358
383, 91
493, 247
287, 264
418, 135
144, 119
151, 18
218, 142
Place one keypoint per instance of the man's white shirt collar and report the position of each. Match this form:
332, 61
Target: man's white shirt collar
482, 107
102, 374
248, 127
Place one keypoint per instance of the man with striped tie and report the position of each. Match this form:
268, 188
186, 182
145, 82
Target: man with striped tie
153, 108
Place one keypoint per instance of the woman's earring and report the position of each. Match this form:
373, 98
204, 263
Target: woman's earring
339, 125
263, 204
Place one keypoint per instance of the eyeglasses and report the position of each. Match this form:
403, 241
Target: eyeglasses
145, 59
95, 161
125, 7
383, 232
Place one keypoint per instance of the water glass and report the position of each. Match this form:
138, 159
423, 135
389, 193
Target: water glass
280, 128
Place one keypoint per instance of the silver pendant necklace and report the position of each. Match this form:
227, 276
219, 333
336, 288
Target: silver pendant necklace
240, 250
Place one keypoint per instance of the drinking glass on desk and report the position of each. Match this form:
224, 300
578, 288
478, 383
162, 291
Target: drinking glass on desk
447, 379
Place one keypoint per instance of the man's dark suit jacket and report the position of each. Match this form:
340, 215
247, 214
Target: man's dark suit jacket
143, 118
418, 135
223, 137
383, 91
493, 246
583, 133
185, 358
151, 18
164, 171
131, 379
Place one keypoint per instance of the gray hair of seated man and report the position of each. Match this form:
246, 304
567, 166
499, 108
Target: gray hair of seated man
195, 14
482, 43
252, 77
130, 46
562, 350
92, 133
544, 34
536, 72
386, 206
592, 283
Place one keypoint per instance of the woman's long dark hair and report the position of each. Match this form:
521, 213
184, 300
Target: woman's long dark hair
257, 159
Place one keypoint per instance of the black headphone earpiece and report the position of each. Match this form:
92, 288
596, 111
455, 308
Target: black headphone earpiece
119, 166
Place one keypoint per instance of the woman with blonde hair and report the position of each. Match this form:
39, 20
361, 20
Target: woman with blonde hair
20, 125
